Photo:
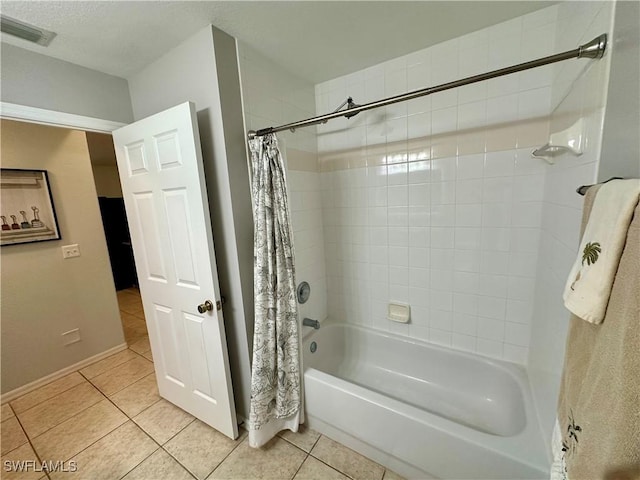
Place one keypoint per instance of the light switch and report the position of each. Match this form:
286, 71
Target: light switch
70, 251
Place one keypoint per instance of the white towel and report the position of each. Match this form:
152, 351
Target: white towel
558, 470
588, 287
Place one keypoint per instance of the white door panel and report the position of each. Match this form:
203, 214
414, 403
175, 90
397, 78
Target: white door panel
162, 176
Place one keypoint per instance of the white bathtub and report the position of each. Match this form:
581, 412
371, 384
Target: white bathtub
419, 409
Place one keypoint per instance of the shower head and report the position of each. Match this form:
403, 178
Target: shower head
350, 105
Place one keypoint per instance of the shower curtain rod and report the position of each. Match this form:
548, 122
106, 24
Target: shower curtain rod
593, 49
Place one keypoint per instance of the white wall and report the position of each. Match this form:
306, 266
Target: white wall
204, 70
621, 142
578, 91
44, 295
437, 202
273, 96
35, 80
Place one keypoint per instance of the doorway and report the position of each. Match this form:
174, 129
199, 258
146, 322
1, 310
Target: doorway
116, 230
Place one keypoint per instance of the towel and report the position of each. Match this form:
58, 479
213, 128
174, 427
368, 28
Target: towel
588, 287
599, 402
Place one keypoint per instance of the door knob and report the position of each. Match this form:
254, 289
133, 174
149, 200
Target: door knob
205, 307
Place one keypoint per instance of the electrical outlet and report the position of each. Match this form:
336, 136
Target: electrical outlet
70, 251
72, 336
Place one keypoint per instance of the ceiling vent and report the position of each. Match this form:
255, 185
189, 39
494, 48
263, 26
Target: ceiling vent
25, 31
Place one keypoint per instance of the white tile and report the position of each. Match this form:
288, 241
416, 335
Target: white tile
492, 307
496, 215
444, 120
443, 170
419, 125
442, 301
463, 342
419, 194
534, 103
528, 188
398, 216
441, 280
419, 277
441, 320
446, 99
443, 215
502, 109
465, 282
419, 300
499, 164
419, 257
524, 239
523, 264
493, 285
465, 324
419, 74
439, 337
515, 353
517, 334
443, 193
418, 236
398, 256
398, 237
469, 191
491, 329
398, 276
466, 260
399, 293
395, 80
419, 217
442, 259
467, 238
419, 172
464, 303
497, 190
521, 288
442, 237
468, 215
496, 239
397, 195
490, 348
470, 166
494, 262
472, 115
397, 174
519, 311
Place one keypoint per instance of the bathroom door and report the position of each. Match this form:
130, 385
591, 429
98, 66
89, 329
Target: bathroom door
162, 176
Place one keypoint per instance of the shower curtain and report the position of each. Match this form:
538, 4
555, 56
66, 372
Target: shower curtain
276, 383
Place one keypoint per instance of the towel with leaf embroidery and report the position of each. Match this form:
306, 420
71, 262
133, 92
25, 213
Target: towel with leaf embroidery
588, 287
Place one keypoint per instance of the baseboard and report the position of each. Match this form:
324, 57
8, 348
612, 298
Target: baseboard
18, 392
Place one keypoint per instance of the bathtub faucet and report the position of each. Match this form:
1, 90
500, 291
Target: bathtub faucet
308, 322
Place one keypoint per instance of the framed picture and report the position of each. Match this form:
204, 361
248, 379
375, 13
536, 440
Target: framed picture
26, 207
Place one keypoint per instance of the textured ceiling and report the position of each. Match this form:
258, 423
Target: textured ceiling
316, 40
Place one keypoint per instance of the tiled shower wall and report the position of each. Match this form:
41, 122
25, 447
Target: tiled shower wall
437, 202
578, 91
272, 96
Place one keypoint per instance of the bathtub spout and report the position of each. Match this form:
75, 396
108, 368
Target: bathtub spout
308, 322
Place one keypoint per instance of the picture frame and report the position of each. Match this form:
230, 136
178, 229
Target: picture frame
27, 212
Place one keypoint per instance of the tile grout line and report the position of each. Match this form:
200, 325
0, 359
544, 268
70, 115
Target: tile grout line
226, 456
111, 431
299, 466
46, 399
33, 448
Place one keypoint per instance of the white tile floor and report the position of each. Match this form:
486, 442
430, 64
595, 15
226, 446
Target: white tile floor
109, 420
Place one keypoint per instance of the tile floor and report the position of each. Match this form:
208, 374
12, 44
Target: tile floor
109, 419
